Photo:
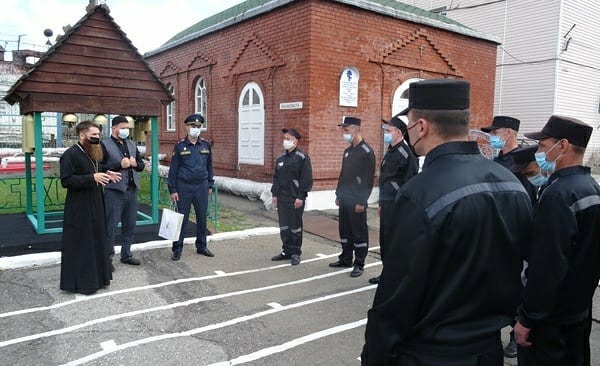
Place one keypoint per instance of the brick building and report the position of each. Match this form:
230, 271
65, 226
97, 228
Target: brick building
262, 65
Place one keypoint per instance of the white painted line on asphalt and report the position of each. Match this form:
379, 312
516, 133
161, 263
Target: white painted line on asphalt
108, 345
79, 298
171, 306
321, 255
291, 344
215, 326
275, 305
52, 258
220, 273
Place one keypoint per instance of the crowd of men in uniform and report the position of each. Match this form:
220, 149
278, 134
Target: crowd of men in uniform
468, 245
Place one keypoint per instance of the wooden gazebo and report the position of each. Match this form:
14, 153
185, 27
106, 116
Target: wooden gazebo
95, 69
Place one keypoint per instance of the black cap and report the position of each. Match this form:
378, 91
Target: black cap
396, 122
292, 132
350, 121
119, 119
522, 156
575, 131
503, 122
438, 94
193, 119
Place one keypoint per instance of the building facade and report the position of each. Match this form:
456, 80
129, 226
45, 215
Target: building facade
264, 65
548, 61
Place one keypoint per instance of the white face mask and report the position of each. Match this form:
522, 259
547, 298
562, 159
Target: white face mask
124, 133
348, 137
287, 144
194, 132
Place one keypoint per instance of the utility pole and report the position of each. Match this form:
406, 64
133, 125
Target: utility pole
19, 41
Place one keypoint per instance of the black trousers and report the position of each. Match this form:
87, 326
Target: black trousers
491, 356
557, 345
354, 234
384, 220
290, 226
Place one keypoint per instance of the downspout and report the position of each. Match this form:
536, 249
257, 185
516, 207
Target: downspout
557, 62
501, 81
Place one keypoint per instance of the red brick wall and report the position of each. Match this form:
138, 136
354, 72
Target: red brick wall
296, 53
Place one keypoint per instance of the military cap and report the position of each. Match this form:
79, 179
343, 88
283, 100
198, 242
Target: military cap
292, 132
396, 122
503, 122
575, 131
346, 121
194, 119
522, 156
438, 94
119, 119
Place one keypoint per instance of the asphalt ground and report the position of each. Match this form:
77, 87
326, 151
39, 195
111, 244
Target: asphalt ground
238, 307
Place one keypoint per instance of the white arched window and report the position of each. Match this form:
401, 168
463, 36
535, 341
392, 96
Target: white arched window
251, 131
171, 111
400, 100
201, 100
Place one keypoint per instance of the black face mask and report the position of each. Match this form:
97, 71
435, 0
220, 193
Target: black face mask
94, 140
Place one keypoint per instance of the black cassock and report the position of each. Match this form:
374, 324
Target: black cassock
85, 265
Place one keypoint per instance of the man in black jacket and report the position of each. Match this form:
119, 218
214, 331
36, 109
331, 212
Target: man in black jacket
564, 265
398, 165
451, 278
352, 192
292, 180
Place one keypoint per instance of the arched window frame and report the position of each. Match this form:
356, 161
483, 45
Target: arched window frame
170, 111
201, 100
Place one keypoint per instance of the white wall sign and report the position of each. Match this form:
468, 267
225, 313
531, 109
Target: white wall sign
290, 105
349, 87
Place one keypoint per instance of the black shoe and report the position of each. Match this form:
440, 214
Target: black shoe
295, 260
374, 280
339, 264
280, 257
131, 260
511, 348
205, 251
357, 271
176, 256
112, 267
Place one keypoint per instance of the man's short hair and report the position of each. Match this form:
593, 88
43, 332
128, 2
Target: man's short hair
84, 126
447, 123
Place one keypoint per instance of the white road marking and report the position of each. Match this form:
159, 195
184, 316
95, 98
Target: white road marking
219, 273
321, 255
108, 345
275, 305
171, 306
215, 326
80, 298
291, 344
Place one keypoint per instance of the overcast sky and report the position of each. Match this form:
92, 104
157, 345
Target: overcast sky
147, 23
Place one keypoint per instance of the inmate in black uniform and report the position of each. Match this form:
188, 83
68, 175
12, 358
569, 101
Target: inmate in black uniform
455, 279
354, 187
292, 180
398, 166
564, 270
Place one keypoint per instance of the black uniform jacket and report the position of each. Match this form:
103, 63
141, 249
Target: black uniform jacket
564, 267
451, 280
399, 165
292, 178
356, 177
508, 160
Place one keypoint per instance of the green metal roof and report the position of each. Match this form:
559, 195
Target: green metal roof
251, 8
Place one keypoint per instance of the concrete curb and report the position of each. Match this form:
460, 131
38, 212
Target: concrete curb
53, 258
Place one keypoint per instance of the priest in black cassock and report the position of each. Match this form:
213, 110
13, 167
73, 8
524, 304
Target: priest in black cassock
85, 265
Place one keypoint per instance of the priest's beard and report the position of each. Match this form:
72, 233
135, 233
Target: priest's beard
94, 151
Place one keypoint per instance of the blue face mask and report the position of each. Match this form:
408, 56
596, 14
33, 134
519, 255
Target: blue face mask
538, 180
543, 163
497, 142
348, 137
387, 138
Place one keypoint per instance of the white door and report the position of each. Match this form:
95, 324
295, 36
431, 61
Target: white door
251, 132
